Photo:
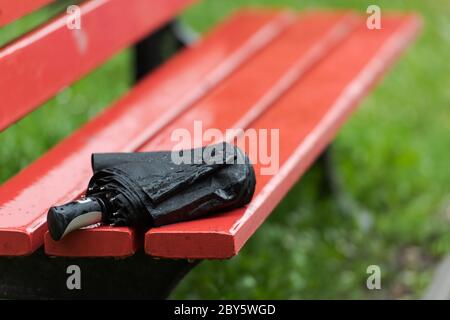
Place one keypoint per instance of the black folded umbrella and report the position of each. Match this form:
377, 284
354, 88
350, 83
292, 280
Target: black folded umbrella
147, 189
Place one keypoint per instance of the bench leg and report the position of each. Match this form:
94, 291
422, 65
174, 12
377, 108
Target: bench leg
138, 277
332, 185
331, 182
153, 50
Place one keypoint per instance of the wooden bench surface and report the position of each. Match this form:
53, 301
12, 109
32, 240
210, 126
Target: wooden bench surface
308, 115
62, 173
305, 82
301, 74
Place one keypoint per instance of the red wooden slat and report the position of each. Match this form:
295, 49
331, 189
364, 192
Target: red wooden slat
62, 174
308, 117
240, 98
38, 65
12, 10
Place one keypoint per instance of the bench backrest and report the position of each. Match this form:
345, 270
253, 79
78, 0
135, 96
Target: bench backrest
12, 10
39, 64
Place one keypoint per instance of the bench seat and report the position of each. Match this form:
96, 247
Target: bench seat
61, 174
308, 114
300, 74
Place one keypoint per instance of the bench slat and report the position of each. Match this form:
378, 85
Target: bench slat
12, 10
246, 91
308, 117
41, 63
61, 174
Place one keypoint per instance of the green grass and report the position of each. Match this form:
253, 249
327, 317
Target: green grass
394, 157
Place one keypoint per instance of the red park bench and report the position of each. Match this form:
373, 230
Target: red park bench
301, 73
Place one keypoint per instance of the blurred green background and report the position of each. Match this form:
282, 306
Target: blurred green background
393, 156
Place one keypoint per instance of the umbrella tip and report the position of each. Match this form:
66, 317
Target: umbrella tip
55, 222
62, 220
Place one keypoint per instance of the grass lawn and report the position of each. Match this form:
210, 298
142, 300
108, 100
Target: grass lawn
394, 157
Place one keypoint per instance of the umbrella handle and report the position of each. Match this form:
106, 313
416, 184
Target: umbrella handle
74, 215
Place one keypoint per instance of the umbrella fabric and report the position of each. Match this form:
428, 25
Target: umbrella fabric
149, 189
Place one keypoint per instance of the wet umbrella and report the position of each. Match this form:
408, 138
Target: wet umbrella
147, 189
